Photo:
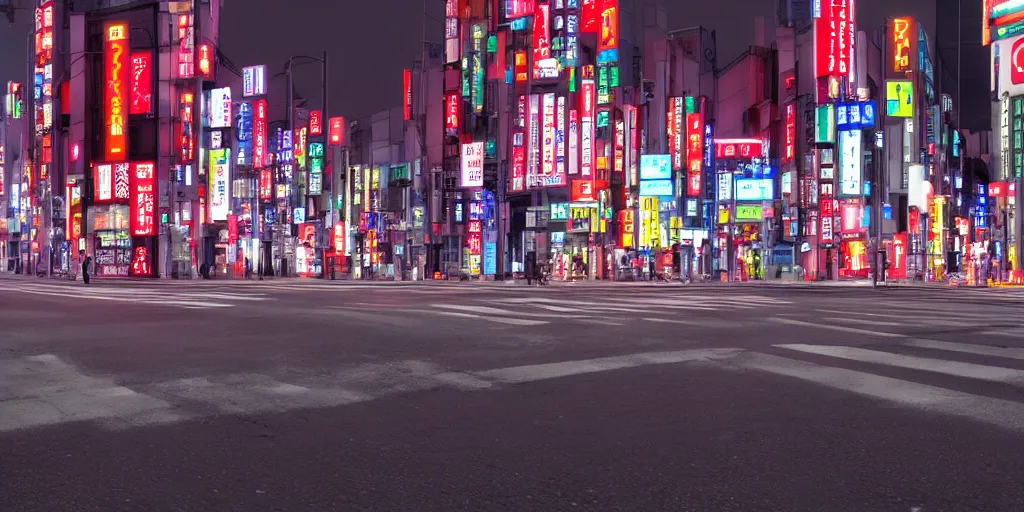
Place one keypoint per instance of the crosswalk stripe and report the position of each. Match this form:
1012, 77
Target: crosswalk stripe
955, 368
494, 319
848, 320
982, 350
1003, 413
489, 310
843, 328
546, 371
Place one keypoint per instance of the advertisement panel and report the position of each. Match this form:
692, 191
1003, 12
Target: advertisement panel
741, 149
111, 182
451, 113
851, 182
655, 167
544, 65
899, 98
903, 34
574, 142
834, 39
694, 155
725, 186
657, 188
560, 118
115, 97
186, 46
316, 122
677, 131
608, 32
517, 8
547, 137
220, 108
754, 189
243, 131
824, 127
472, 165
855, 116
336, 131
254, 81
219, 201
266, 185
587, 103
142, 83
143, 201
406, 94
259, 134
789, 141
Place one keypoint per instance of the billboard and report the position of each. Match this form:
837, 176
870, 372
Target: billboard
472, 165
754, 189
115, 98
219, 201
587, 102
834, 36
899, 98
316, 122
851, 181
608, 32
694, 154
655, 167
220, 108
142, 83
243, 131
143, 201
259, 134
254, 81
336, 131
544, 65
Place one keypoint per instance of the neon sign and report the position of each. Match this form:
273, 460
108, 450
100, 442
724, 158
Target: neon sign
115, 36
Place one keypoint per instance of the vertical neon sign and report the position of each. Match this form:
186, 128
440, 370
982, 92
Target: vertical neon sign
115, 52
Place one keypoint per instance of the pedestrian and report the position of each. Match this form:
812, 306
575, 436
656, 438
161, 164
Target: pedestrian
529, 269
86, 263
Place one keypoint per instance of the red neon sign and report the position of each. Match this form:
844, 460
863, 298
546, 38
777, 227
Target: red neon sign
336, 131
140, 263
520, 66
997, 189
738, 148
834, 33
115, 51
541, 36
451, 113
474, 234
186, 143
266, 184
143, 186
694, 154
590, 17
609, 29
186, 54
259, 134
789, 145
316, 122
205, 61
627, 228
407, 93
142, 83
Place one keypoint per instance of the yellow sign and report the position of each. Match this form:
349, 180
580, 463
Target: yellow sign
649, 221
901, 39
899, 98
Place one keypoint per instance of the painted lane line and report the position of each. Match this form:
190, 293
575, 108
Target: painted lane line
791, 321
954, 368
982, 350
668, 321
498, 320
597, 321
539, 372
863, 321
1003, 413
489, 310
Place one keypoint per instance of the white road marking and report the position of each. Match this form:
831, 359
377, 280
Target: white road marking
668, 321
539, 372
958, 369
1003, 413
983, 350
497, 320
863, 321
791, 321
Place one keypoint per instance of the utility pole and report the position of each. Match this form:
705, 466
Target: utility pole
325, 117
197, 114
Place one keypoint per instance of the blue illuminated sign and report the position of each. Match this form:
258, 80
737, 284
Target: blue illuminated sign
855, 116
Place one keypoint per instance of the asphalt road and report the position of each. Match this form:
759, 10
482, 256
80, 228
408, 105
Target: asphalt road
306, 395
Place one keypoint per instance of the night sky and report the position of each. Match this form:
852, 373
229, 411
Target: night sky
369, 43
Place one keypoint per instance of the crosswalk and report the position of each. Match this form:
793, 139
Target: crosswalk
899, 318
609, 310
187, 298
973, 381
943, 359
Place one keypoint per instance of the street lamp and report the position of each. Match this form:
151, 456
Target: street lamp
290, 113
